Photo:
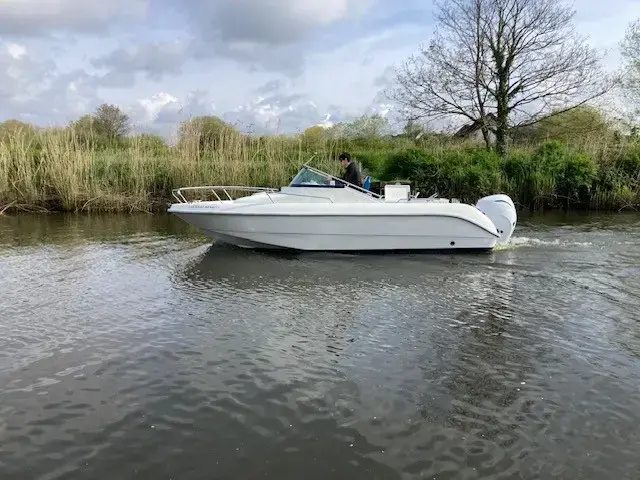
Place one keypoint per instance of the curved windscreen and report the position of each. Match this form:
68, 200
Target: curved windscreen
306, 177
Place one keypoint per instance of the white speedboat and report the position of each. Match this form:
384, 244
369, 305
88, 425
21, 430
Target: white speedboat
319, 212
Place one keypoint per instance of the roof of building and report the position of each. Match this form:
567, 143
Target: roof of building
469, 128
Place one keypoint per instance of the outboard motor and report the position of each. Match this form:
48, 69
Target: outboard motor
502, 212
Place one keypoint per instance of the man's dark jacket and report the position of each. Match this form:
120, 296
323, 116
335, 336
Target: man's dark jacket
352, 174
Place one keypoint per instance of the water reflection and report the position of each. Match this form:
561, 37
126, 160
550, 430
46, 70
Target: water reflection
406, 324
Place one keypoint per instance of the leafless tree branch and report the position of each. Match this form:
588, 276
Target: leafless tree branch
519, 60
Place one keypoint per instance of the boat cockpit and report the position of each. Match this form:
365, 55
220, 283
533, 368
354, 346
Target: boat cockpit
310, 177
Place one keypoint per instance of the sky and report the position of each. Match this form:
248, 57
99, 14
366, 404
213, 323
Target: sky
271, 66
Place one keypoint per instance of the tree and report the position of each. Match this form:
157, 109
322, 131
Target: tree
574, 126
513, 60
366, 126
630, 52
85, 130
86, 123
315, 132
150, 142
413, 130
205, 132
110, 121
313, 137
15, 128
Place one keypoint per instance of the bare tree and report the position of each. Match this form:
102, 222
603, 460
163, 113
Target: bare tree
630, 50
515, 61
111, 121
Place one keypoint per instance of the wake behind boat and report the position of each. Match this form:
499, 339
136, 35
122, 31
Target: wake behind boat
320, 212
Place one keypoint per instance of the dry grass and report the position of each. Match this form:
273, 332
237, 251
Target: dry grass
57, 170
61, 169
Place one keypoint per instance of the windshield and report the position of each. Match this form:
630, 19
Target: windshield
309, 177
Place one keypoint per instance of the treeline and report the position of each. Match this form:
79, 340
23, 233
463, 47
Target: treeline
575, 160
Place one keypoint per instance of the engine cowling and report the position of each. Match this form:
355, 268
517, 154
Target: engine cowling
502, 213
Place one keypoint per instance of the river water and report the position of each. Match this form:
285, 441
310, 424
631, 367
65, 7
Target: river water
132, 348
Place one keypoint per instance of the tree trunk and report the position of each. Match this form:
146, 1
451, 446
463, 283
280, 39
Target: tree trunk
501, 133
487, 139
502, 102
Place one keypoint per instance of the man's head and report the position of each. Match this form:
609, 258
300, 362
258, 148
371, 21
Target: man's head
345, 159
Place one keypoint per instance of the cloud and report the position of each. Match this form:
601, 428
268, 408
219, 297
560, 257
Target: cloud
16, 51
276, 113
269, 35
270, 87
155, 60
147, 110
42, 17
163, 113
385, 79
58, 100
277, 104
287, 113
293, 113
21, 73
287, 59
269, 23
33, 89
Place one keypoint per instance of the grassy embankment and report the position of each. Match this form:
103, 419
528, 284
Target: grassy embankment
61, 170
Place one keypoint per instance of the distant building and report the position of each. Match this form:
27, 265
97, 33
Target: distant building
473, 131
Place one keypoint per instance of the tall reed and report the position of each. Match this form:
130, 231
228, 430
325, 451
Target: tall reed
62, 169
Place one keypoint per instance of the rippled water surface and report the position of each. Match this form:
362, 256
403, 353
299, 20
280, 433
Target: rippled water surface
132, 348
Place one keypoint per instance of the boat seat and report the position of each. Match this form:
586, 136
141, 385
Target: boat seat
367, 183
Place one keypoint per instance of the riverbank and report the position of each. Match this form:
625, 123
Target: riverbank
61, 171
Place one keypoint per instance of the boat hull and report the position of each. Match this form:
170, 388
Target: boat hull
343, 232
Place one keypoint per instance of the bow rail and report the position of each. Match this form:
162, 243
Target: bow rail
179, 195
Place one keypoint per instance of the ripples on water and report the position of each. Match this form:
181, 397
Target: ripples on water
132, 349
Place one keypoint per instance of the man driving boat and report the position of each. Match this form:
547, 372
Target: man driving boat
351, 173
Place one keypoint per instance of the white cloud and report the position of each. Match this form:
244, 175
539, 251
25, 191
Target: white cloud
276, 113
20, 73
150, 108
326, 122
16, 51
163, 112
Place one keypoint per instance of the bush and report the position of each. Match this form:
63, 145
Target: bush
371, 162
576, 174
150, 143
456, 173
629, 163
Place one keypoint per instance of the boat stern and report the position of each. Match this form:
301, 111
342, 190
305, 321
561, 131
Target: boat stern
502, 213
